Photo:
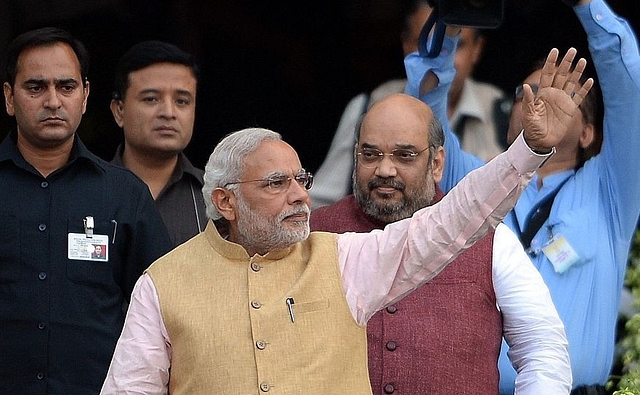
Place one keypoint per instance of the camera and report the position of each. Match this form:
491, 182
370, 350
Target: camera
479, 14
482, 14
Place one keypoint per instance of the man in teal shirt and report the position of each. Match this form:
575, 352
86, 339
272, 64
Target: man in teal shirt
581, 249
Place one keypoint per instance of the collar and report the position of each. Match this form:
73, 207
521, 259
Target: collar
183, 166
552, 181
233, 251
469, 105
79, 153
439, 195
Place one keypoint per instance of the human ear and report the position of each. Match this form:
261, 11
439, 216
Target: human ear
225, 202
588, 135
85, 92
437, 165
116, 110
8, 99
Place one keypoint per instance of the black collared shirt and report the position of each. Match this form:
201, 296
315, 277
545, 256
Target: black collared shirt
60, 316
180, 203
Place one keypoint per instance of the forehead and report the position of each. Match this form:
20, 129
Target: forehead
396, 124
56, 61
271, 157
163, 76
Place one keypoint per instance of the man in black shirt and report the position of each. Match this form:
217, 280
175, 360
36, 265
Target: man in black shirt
61, 310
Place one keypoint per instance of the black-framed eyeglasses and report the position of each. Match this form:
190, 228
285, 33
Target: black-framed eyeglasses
278, 183
519, 93
371, 157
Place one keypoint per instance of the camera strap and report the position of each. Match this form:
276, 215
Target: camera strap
537, 218
429, 45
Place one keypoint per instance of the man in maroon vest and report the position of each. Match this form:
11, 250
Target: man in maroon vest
445, 337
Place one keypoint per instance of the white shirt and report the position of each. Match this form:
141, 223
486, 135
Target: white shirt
530, 323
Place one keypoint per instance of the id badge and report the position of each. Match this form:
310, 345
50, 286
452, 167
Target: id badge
560, 253
83, 248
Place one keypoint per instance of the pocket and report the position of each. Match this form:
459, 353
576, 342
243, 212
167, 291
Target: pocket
575, 226
310, 307
91, 272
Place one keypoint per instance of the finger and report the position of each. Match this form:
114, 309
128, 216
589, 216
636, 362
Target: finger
579, 96
549, 69
528, 95
564, 69
570, 87
574, 79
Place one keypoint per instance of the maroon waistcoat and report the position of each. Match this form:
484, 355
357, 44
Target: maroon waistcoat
444, 338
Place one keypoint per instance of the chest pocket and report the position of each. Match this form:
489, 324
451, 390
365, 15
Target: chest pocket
310, 307
93, 272
581, 229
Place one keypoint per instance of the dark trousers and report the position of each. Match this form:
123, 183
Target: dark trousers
589, 390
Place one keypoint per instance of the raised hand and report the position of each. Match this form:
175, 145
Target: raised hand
546, 116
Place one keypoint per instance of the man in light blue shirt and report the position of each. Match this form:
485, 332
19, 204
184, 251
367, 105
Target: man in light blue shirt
581, 249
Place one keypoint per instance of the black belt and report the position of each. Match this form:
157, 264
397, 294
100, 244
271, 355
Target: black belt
589, 390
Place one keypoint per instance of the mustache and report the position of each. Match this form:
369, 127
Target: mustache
303, 209
386, 182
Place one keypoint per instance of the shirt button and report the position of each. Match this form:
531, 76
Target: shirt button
261, 344
255, 267
42, 325
392, 309
391, 345
389, 389
42, 227
40, 376
42, 275
44, 184
255, 304
265, 387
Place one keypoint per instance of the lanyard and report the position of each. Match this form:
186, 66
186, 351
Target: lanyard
537, 217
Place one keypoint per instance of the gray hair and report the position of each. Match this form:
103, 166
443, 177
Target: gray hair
225, 164
436, 137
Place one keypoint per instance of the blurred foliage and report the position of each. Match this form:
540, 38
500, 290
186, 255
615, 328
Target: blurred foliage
628, 383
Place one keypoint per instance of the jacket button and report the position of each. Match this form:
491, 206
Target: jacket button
261, 344
389, 389
265, 387
391, 345
392, 309
255, 304
255, 267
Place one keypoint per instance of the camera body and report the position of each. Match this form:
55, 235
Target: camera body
482, 14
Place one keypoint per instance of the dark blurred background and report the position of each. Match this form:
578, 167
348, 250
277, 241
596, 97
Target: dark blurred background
290, 66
